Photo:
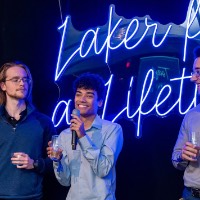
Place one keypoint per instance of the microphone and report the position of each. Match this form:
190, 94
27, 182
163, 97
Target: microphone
74, 135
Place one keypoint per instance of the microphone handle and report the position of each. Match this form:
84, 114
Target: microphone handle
74, 135
74, 140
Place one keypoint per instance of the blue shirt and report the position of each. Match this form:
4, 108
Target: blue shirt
90, 169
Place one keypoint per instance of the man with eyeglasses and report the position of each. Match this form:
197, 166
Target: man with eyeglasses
24, 136
185, 154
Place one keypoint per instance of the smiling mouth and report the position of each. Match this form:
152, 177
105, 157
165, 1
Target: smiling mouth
82, 106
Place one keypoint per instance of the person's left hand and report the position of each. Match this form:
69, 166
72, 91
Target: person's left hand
22, 160
189, 152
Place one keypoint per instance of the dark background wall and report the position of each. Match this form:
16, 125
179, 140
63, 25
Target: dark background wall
28, 32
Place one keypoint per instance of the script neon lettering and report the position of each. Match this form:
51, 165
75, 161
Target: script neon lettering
190, 20
91, 36
65, 112
133, 34
139, 112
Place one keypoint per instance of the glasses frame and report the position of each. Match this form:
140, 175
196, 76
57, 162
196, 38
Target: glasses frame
196, 73
17, 80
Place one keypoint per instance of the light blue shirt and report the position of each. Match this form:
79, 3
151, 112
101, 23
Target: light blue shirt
90, 169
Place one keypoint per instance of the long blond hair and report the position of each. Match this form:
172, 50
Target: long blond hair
3, 71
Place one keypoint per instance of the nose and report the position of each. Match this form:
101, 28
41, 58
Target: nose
83, 98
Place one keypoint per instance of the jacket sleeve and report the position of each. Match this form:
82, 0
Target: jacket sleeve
45, 164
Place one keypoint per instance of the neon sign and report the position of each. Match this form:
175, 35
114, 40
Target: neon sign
140, 111
130, 34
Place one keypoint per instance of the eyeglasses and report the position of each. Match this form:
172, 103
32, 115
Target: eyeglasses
17, 80
196, 73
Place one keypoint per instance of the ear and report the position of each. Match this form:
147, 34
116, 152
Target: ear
3, 86
100, 103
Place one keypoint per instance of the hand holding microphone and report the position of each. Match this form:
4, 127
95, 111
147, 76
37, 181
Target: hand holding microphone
74, 134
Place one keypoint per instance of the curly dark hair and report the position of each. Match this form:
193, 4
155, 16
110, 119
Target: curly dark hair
196, 52
90, 81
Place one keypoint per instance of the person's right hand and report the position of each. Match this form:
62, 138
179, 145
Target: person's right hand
189, 152
50, 151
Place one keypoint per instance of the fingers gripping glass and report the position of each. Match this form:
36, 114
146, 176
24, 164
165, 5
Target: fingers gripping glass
56, 147
17, 80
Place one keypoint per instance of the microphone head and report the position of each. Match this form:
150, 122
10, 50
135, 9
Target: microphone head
76, 112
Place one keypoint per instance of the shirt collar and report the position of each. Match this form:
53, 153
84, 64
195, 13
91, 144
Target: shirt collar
97, 123
8, 117
29, 107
